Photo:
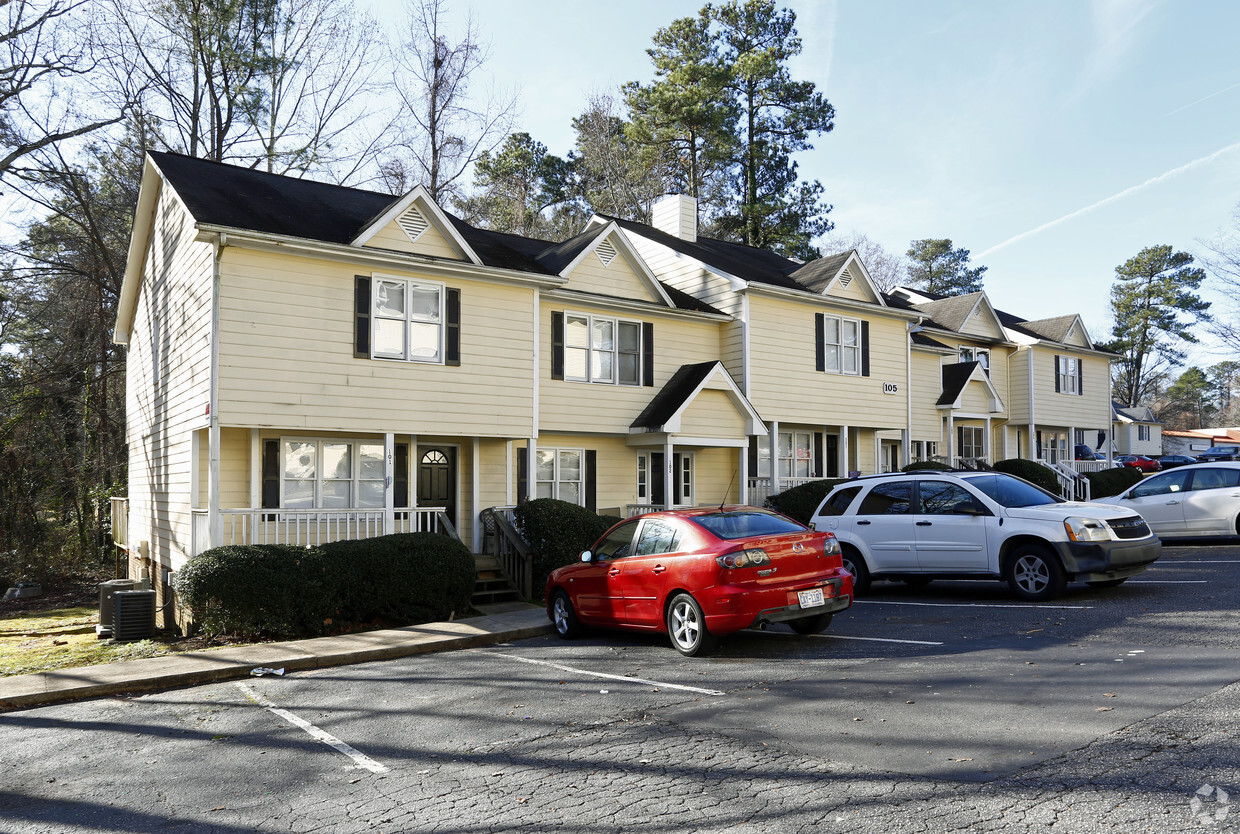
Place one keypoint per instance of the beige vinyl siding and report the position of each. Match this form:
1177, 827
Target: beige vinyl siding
687, 275
975, 399
712, 414
286, 356
855, 291
927, 379
617, 279
168, 382
717, 475
607, 408
1017, 399
1092, 409
980, 324
787, 387
430, 242
493, 472
732, 350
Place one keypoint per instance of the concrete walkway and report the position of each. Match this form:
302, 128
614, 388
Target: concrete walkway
174, 670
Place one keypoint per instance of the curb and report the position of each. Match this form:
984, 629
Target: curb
192, 668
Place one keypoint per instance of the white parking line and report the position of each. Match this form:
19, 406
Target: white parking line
1173, 562
1168, 581
970, 604
623, 678
883, 640
327, 738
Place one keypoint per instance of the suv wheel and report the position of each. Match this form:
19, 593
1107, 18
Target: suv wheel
854, 563
1034, 574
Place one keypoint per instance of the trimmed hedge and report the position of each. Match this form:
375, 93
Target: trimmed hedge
927, 464
557, 532
284, 590
799, 502
1109, 482
1031, 471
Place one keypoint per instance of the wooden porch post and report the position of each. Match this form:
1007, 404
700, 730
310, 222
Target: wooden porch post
775, 486
389, 484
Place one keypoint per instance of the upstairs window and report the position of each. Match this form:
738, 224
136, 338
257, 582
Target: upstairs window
841, 342
408, 320
1068, 375
979, 355
599, 349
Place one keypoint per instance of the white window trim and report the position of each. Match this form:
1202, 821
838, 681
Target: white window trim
556, 480
355, 464
410, 283
841, 347
977, 438
1069, 380
615, 352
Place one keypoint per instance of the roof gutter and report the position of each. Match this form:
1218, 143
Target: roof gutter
831, 301
139, 240
645, 307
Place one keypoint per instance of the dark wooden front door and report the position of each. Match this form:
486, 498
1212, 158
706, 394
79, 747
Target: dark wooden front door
437, 478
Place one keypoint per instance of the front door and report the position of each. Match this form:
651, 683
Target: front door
682, 480
437, 479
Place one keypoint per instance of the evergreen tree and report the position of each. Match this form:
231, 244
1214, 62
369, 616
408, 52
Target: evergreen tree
1189, 402
934, 266
517, 187
1154, 304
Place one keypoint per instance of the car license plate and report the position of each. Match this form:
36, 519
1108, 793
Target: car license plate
810, 598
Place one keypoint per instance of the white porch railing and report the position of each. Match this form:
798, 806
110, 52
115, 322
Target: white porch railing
638, 509
760, 488
1073, 486
961, 462
1087, 465
314, 527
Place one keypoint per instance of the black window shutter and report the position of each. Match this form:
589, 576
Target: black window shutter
1080, 377
820, 333
557, 345
753, 457
817, 454
865, 348
400, 477
591, 483
452, 351
523, 467
647, 354
361, 316
1056, 373
271, 474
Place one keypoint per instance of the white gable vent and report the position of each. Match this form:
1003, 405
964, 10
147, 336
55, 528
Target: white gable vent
606, 252
413, 222
845, 280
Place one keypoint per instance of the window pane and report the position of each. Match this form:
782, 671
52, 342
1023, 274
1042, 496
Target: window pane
850, 359
299, 459
630, 336
833, 358
336, 461
887, 499
604, 335
570, 493
575, 363
939, 498
390, 299
570, 466
425, 303
576, 331
336, 494
604, 366
370, 456
299, 494
544, 490
423, 341
849, 329
370, 494
628, 369
832, 331
785, 445
389, 337
546, 465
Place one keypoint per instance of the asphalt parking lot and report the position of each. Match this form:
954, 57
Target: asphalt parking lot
922, 709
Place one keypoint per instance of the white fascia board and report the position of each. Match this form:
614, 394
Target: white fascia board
736, 284
431, 209
854, 258
818, 301
631, 305
990, 311
1080, 325
630, 254
139, 241
979, 375
374, 258
739, 400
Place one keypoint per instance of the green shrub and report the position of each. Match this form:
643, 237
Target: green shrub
1031, 471
283, 590
926, 464
1112, 481
799, 502
557, 532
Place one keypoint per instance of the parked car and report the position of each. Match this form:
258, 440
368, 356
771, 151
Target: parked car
1172, 461
920, 526
1198, 500
1219, 453
1140, 462
1083, 452
698, 574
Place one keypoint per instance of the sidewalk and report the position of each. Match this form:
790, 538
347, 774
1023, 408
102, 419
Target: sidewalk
170, 671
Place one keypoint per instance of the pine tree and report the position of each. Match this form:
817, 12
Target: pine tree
935, 267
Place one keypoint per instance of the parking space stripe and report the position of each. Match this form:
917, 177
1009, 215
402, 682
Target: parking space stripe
1168, 581
361, 759
970, 604
624, 678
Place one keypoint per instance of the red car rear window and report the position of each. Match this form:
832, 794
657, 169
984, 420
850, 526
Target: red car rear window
747, 523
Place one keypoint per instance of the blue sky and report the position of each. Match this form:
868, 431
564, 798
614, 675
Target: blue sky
1054, 140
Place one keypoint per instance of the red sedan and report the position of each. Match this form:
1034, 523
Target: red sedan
1140, 462
697, 574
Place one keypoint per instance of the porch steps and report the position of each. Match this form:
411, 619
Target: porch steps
491, 587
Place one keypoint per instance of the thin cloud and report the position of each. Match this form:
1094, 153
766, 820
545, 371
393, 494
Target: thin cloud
1196, 163
1200, 100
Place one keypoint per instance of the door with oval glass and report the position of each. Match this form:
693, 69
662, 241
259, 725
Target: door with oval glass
437, 478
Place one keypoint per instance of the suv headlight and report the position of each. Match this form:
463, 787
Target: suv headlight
1087, 530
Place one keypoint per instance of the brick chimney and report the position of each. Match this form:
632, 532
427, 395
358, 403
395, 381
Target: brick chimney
676, 214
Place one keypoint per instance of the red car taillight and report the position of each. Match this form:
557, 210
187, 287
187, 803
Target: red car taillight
831, 546
754, 557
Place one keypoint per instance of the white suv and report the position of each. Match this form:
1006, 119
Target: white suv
926, 525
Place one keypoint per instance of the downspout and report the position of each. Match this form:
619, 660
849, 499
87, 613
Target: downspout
1033, 444
215, 525
908, 388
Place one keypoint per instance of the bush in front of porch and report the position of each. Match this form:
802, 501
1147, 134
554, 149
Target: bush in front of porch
1032, 471
1108, 482
800, 502
285, 590
557, 532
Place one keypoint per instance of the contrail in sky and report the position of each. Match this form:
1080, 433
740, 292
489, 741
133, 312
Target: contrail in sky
1200, 100
1113, 198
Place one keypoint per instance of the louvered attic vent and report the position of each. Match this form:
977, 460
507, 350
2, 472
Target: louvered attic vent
606, 252
412, 221
845, 280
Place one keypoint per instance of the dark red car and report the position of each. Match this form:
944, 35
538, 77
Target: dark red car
697, 574
1140, 462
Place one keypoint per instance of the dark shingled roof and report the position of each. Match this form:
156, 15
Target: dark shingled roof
952, 312
955, 377
925, 341
817, 274
744, 262
673, 395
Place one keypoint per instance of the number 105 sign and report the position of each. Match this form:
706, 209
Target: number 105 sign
890, 388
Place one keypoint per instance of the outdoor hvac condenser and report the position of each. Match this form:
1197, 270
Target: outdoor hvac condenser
133, 616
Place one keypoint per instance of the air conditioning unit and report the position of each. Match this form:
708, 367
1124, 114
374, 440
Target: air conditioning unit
133, 616
106, 590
